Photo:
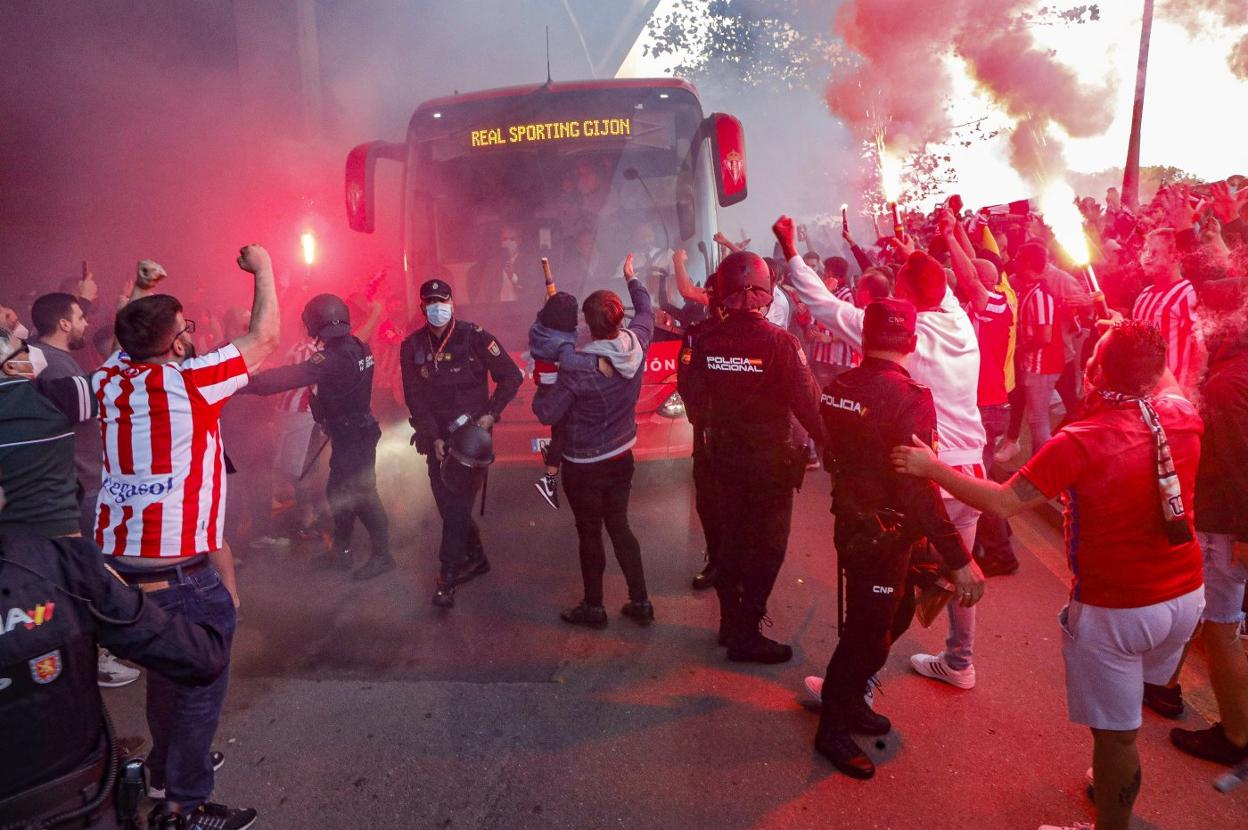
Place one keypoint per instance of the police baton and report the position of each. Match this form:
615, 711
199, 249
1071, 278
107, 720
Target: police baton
840, 596
312, 461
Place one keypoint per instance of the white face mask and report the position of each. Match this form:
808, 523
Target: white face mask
38, 360
438, 314
511, 246
21, 332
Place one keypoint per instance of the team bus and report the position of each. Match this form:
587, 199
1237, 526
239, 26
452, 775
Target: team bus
580, 173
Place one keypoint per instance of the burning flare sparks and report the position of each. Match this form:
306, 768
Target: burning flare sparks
1057, 204
890, 172
308, 241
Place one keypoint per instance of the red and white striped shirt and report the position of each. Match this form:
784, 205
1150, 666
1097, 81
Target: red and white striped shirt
834, 352
299, 400
1038, 308
163, 492
1173, 311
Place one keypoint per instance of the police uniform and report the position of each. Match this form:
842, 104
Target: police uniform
880, 517
58, 600
744, 379
343, 376
703, 475
446, 377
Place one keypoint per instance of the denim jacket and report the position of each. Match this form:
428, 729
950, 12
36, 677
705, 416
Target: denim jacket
601, 420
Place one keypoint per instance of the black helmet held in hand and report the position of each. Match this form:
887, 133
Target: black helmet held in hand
326, 316
469, 451
743, 282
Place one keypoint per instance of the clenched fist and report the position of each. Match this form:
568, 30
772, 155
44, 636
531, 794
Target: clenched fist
148, 273
254, 259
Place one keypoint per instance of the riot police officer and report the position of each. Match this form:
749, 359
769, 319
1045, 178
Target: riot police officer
58, 601
447, 365
343, 375
703, 474
880, 519
744, 380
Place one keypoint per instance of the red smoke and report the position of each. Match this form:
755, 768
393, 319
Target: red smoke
1199, 16
901, 84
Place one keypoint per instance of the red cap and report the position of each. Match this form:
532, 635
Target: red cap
921, 281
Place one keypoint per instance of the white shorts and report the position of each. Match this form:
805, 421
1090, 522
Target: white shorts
1111, 653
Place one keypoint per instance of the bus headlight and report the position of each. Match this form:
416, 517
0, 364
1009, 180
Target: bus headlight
673, 407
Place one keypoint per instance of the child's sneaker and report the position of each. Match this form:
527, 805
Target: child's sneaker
548, 486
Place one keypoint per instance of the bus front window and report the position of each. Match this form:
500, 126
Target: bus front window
485, 214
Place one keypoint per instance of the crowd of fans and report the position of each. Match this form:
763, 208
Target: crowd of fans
1056, 345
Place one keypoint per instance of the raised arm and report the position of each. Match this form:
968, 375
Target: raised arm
840, 317
262, 335
969, 285
692, 293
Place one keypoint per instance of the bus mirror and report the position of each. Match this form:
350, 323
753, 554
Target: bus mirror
728, 144
361, 167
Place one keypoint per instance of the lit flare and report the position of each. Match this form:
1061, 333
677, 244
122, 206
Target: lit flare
308, 241
1061, 214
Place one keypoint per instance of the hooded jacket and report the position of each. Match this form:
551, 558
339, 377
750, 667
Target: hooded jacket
601, 422
946, 360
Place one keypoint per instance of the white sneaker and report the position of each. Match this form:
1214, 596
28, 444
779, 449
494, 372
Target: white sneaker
935, 667
111, 673
814, 685
1006, 450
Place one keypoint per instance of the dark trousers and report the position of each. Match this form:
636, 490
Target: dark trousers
461, 538
598, 495
992, 535
878, 608
755, 507
352, 489
183, 719
704, 499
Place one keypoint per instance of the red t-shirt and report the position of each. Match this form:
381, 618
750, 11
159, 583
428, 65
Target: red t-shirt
1105, 467
992, 329
1038, 308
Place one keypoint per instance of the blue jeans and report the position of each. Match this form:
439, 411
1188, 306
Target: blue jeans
993, 536
1039, 396
960, 644
183, 719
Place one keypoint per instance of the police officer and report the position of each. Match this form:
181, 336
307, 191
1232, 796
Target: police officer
744, 380
880, 517
58, 601
343, 375
447, 365
703, 475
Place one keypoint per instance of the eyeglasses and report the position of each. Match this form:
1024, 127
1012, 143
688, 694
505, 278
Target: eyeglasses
23, 349
189, 328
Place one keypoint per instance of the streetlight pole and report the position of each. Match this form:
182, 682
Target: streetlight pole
1131, 173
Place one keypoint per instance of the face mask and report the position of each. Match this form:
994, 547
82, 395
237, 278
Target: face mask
21, 332
38, 360
438, 314
511, 246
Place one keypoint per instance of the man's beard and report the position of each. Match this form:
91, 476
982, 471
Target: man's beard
76, 343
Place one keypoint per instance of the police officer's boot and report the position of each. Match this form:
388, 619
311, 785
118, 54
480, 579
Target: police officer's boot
377, 564
706, 578
729, 613
334, 560
444, 593
863, 719
750, 646
834, 743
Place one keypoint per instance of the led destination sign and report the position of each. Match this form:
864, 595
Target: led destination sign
553, 131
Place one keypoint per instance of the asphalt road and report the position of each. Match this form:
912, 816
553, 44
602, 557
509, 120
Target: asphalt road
361, 705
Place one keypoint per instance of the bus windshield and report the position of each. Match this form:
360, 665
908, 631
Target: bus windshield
581, 178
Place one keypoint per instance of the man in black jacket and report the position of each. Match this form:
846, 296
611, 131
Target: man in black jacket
880, 516
1222, 530
447, 365
58, 599
744, 382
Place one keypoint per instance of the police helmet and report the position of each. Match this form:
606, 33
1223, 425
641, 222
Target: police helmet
469, 452
326, 316
743, 282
